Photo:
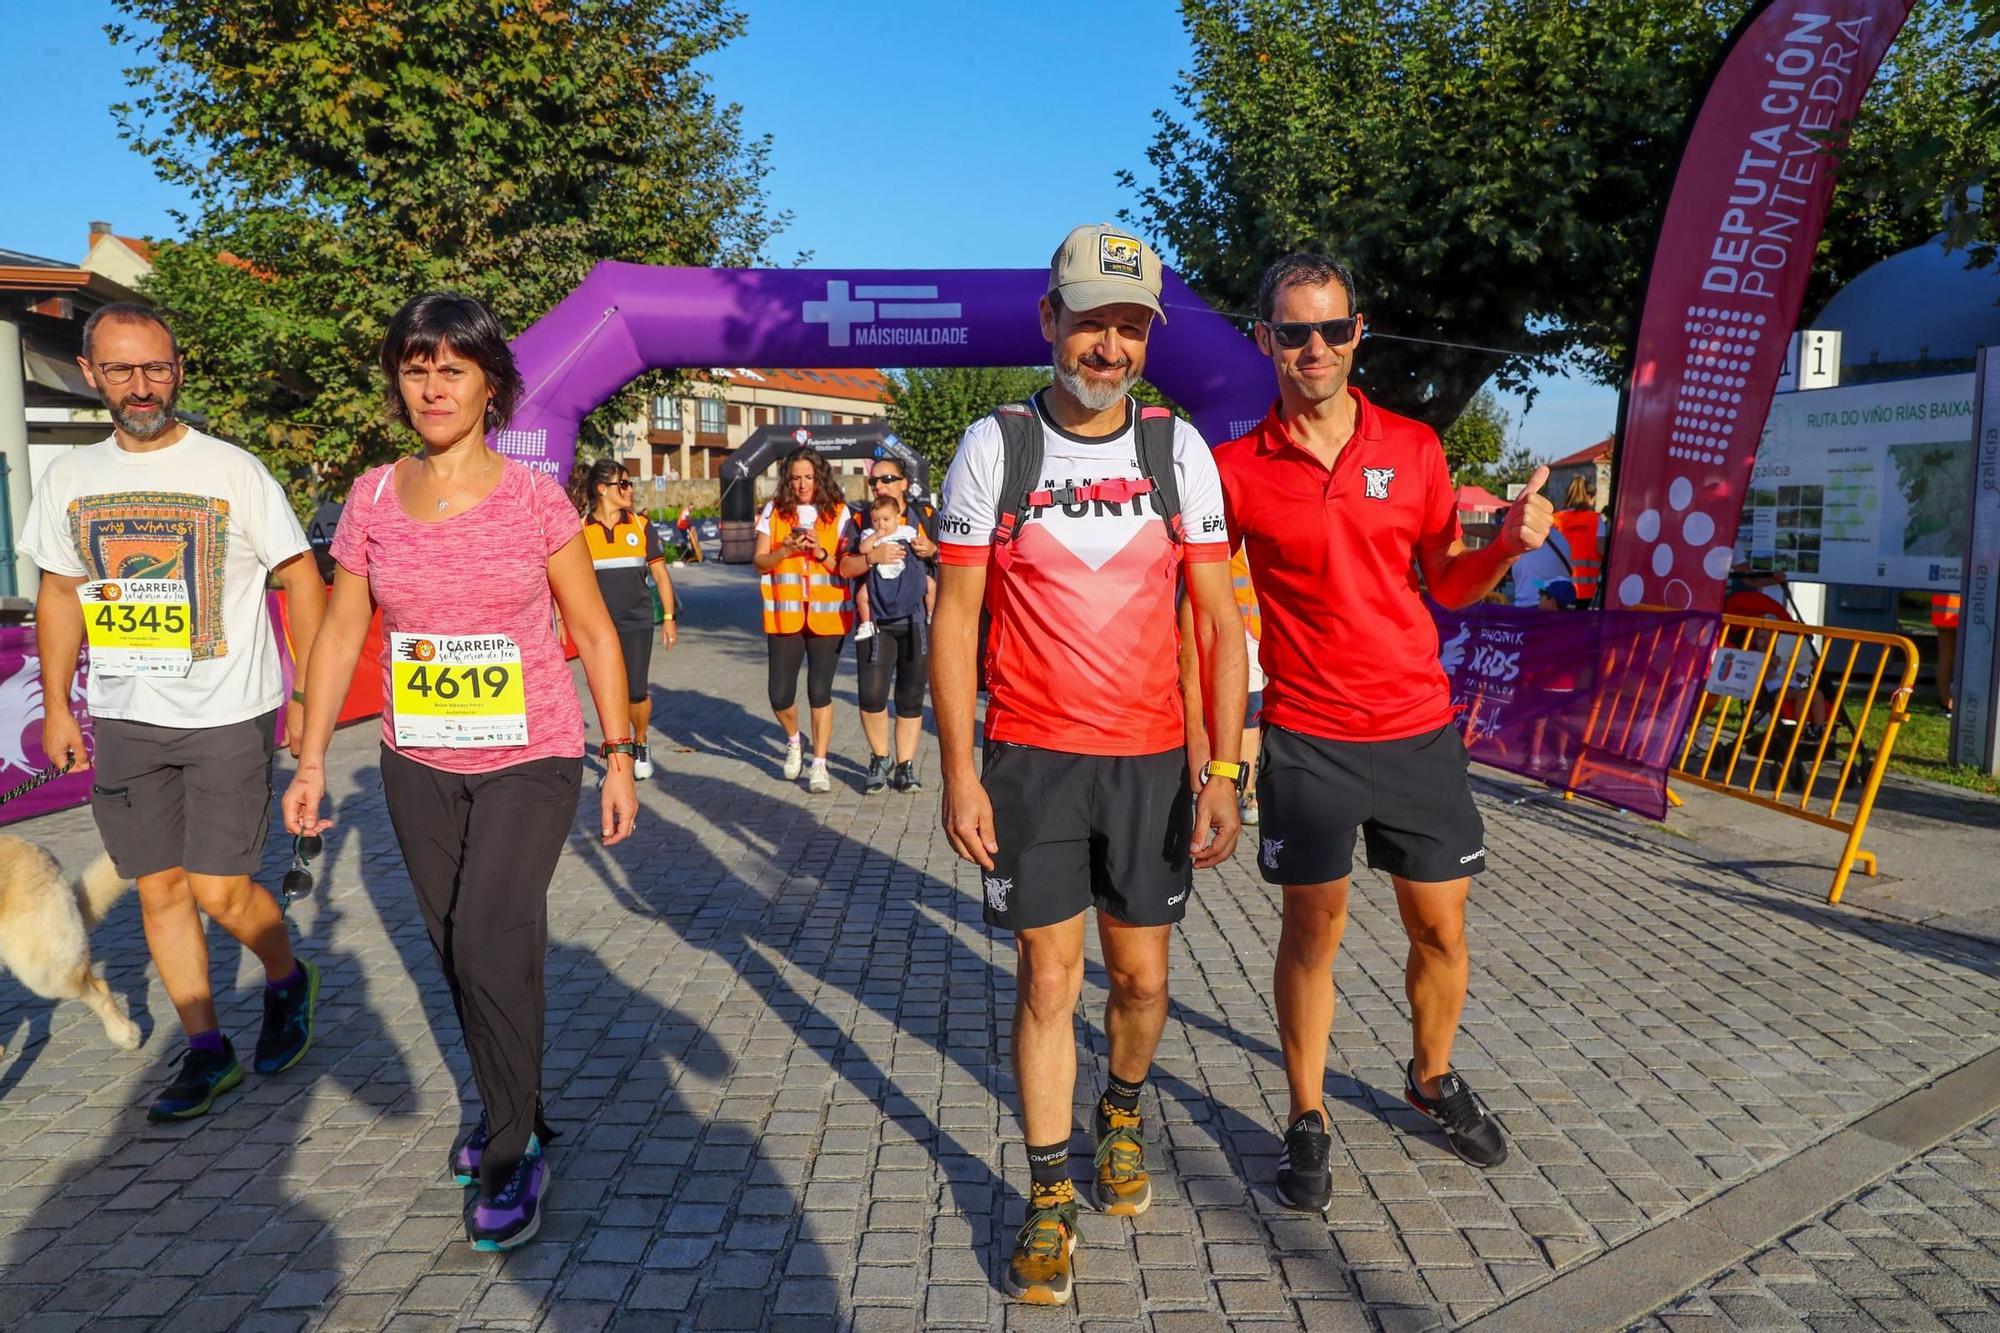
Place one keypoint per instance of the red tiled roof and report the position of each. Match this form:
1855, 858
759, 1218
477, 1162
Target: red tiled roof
143, 249
1596, 453
1477, 498
861, 385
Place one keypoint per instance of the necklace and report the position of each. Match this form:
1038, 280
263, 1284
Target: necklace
445, 503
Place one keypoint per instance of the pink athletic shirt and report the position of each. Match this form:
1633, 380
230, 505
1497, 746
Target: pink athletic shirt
484, 571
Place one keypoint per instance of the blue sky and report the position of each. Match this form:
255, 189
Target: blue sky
882, 161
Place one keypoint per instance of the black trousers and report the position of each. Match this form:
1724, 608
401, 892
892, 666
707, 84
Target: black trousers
481, 849
899, 649
821, 655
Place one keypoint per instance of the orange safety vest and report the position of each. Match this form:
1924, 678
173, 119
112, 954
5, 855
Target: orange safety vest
1246, 595
1586, 561
802, 593
1944, 610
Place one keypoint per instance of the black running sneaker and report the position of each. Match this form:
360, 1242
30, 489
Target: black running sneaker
1305, 1181
1473, 1132
288, 1023
879, 769
905, 779
202, 1079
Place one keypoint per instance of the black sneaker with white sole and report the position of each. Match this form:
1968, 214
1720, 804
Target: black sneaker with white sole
1473, 1132
1305, 1181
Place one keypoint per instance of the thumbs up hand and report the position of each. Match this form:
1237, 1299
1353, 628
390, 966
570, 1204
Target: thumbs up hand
1529, 518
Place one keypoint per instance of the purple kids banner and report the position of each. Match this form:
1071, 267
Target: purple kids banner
626, 319
1594, 702
21, 730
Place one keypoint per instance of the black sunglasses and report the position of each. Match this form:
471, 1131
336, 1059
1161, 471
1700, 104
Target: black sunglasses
1334, 331
880, 480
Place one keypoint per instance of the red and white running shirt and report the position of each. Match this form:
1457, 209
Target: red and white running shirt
1083, 653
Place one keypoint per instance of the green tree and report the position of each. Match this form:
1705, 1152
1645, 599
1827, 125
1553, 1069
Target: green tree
1908, 175
1493, 171
931, 407
1512, 468
1479, 435
348, 154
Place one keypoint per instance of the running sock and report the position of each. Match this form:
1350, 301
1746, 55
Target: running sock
1121, 1095
208, 1043
795, 741
285, 983
1048, 1166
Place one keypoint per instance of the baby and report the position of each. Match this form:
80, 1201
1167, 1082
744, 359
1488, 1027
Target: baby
885, 517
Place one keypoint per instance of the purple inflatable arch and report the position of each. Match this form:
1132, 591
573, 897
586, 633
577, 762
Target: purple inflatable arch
626, 319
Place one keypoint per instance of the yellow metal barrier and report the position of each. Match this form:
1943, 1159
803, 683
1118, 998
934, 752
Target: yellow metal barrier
1765, 726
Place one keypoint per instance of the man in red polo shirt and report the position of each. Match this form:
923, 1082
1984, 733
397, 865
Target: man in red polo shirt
1340, 505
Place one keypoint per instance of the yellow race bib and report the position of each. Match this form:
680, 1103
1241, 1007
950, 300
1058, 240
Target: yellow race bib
138, 627
457, 691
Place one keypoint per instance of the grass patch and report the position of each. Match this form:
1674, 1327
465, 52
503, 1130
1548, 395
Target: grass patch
1923, 744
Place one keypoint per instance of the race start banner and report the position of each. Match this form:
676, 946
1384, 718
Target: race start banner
1723, 292
1594, 702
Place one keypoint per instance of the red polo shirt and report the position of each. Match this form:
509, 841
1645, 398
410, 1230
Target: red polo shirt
1349, 649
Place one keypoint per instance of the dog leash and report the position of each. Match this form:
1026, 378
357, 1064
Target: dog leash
41, 779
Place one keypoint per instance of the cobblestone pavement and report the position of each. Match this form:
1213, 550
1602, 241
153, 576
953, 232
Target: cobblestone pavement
777, 1055
1921, 1250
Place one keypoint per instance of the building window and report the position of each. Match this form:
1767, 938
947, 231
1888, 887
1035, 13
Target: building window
714, 416
790, 416
819, 418
666, 413
763, 416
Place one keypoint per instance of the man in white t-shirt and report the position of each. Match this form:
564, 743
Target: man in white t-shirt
154, 545
1082, 799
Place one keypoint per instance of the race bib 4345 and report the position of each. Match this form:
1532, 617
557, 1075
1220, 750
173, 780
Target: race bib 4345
138, 627
457, 691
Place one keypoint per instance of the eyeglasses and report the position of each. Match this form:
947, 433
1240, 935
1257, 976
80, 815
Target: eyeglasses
1295, 335
881, 479
120, 372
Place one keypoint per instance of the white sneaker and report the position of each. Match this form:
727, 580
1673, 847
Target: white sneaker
818, 780
642, 764
795, 761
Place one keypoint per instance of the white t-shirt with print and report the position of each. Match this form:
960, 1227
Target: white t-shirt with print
199, 510
808, 517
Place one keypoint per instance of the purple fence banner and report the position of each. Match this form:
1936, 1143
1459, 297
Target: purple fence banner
21, 755
1595, 702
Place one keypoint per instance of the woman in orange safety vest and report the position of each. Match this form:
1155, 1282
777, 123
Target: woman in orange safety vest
1944, 619
1579, 522
808, 607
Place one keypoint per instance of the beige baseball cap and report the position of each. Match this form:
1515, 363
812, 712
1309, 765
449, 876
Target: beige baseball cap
1100, 265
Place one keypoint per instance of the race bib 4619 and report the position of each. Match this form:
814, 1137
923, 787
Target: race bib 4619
138, 627
457, 691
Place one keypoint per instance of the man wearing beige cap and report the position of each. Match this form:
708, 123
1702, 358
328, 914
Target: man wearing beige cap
1086, 513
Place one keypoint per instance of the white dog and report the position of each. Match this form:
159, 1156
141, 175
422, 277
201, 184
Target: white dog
45, 925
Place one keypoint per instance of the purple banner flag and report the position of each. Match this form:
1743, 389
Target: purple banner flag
1593, 702
21, 755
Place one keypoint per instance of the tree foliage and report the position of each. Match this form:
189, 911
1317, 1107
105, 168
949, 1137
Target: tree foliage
1493, 171
349, 154
931, 407
1479, 435
1909, 174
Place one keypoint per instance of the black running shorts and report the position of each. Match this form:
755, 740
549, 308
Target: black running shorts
1408, 798
1083, 830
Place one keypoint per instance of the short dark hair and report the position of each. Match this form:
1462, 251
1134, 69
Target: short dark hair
127, 312
1302, 270
429, 323
888, 500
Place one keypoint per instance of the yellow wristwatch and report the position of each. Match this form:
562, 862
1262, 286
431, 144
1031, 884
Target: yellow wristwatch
1217, 768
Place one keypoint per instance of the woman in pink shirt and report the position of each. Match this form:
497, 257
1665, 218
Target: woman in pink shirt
468, 553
